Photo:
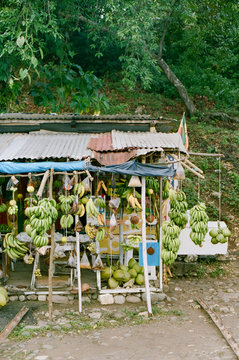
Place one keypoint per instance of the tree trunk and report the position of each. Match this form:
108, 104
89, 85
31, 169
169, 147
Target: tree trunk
172, 78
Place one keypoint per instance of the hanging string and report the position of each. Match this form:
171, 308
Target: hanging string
198, 189
220, 194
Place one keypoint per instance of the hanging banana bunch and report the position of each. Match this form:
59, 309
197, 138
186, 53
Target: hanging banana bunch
166, 188
13, 247
79, 189
178, 209
170, 242
198, 223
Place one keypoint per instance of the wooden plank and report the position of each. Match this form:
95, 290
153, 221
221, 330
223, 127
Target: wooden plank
224, 331
11, 325
42, 185
188, 167
193, 165
50, 305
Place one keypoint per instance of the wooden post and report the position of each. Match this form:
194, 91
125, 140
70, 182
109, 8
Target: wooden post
7, 330
42, 185
160, 234
50, 274
78, 256
121, 236
144, 249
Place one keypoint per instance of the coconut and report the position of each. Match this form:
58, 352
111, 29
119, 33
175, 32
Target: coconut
150, 218
213, 232
134, 219
119, 275
214, 241
112, 283
124, 267
136, 267
226, 232
127, 276
133, 273
106, 273
139, 279
131, 262
3, 291
3, 300
220, 238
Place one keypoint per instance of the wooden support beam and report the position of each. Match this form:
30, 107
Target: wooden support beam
194, 166
187, 167
42, 185
11, 325
224, 331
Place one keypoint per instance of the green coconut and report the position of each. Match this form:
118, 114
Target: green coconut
213, 232
214, 241
226, 232
220, 238
139, 279
124, 267
3, 291
106, 273
112, 283
3, 300
127, 276
137, 268
131, 263
141, 270
133, 273
119, 275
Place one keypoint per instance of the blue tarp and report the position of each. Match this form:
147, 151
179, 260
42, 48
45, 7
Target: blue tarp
10, 167
134, 168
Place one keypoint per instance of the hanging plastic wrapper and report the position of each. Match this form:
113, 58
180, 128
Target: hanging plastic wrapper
84, 263
180, 174
114, 203
71, 261
87, 184
11, 186
113, 222
67, 183
98, 264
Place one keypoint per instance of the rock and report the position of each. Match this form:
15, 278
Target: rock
41, 297
42, 324
106, 299
56, 327
71, 297
119, 299
191, 258
132, 299
155, 296
177, 289
25, 333
224, 309
85, 299
13, 298
67, 326
118, 315
56, 313
59, 299
32, 297
94, 296
95, 315
144, 314
22, 297
47, 347
41, 357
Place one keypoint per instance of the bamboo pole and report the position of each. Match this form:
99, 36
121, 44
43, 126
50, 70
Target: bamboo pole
194, 166
78, 256
160, 235
187, 167
50, 274
14, 322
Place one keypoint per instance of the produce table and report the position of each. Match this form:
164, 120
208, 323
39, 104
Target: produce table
188, 247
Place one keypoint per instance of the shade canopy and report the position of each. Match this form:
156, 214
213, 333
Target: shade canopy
135, 168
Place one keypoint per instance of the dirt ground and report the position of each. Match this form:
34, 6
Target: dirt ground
179, 328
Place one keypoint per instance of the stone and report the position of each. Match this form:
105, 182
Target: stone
41, 357
224, 309
41, 297
13, 298
56, 327
95, 315
155, 297
59, 299
85, 299
106, 299
177, 289
25, 333
117, 315
22, 297
42, 324
119, 299
132, 299
67, 326
71, 297
56, 313
47, 347
32, 297
94, 296
144, 314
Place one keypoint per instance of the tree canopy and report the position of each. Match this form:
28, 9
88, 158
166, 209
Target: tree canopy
61, 50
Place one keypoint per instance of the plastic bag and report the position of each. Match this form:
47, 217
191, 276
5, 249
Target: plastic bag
71, 261
180, 174
113, 222
67, 183
59, 252
10, 186
98, 264
114, 203
87, 184
84, 263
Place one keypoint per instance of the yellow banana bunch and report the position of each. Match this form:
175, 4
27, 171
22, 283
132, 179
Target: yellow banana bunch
13, 210
133, 201
90, 230
100, 219
79, 189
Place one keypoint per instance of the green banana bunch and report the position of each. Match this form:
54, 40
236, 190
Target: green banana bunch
133, 240
13, 247
66, 202
66, 221
166, 188
91, 209
79, 189
170, 242
42, 216
99, 202
100, 235
198, 223
178, 209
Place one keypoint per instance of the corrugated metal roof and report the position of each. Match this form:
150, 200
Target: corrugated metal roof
147, 140
42, 146
101, 143
114, 157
